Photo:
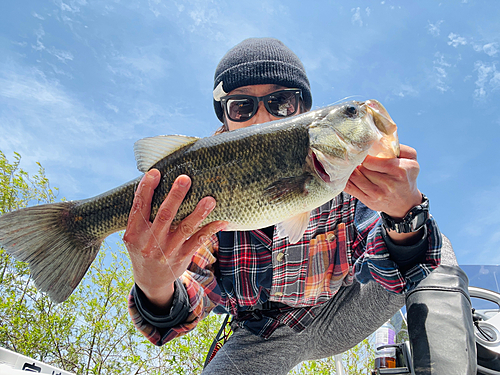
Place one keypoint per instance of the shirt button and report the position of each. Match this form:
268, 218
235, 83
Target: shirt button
330, 237
278, 294
280, 257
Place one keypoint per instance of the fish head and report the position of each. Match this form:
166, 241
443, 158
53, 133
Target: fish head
342, 135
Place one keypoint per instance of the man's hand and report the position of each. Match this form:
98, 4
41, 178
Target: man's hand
159, 253
390, 186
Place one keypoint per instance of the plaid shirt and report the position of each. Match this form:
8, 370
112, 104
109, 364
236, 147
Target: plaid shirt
237, 271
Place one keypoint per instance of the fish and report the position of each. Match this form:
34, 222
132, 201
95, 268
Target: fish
273, 173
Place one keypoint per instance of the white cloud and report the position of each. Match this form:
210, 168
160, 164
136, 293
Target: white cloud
456, 40
39, 33
434, 28
495, 81
44, 122
356, 17
490, 49
139, 68
65, 7
203, 18
154, 6
112, 107
36, 94
148, 63
36, 15
73, 6
59, 71
440, 66
406, 90
61, 55
488, 79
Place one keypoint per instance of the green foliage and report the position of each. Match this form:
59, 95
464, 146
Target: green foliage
18, 189
356, 361
91, 332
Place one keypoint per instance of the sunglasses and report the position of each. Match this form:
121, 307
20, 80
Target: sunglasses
282, 103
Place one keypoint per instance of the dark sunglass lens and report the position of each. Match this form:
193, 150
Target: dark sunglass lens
283, 103
239, 109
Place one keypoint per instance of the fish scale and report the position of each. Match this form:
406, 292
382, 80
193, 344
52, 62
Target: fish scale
267, 174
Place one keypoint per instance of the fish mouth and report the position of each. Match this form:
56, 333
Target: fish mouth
320, 169
388, 144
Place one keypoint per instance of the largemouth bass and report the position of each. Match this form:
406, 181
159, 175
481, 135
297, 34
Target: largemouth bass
268, 174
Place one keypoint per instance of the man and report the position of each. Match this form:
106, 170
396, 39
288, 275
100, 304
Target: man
279, 319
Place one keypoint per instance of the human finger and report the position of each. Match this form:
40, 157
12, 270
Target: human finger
390, 165
141, 206
407, 152
192, 222
383, 178
200, 237
352, 188
170, 205
365, 181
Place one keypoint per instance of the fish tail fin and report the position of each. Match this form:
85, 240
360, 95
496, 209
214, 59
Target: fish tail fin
388, 145
43, 237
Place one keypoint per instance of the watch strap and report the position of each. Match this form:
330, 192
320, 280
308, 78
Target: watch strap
414, 220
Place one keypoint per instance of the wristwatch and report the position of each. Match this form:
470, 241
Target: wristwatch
412, 222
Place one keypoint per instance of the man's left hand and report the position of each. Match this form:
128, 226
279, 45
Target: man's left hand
388, 185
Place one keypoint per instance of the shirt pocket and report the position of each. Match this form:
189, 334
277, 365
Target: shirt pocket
328, 265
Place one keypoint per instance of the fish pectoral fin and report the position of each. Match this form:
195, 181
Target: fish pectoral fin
294, 227
149, 151
286, 187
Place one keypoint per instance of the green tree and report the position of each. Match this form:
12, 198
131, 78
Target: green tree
91, 332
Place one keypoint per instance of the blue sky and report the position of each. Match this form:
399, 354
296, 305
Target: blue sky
82, 80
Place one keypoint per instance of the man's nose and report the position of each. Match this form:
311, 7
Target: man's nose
262, 115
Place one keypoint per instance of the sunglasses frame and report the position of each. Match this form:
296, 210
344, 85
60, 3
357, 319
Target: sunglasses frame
256, 100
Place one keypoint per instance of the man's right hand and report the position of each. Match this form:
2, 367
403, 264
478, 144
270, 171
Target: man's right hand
159, 252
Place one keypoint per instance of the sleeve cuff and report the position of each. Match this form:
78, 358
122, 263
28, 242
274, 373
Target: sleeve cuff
377, 262
178, 312
406, 256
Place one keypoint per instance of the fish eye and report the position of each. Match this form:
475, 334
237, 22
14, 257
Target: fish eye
351, 110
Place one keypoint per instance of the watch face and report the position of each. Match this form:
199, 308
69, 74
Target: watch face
419, 220
412, 222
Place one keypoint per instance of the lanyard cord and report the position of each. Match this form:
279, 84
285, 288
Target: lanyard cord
220, 339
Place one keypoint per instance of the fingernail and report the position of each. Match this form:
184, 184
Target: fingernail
183, 182
210, 204
222, 226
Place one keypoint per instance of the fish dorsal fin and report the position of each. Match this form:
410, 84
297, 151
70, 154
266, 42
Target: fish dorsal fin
149, 151
294, 227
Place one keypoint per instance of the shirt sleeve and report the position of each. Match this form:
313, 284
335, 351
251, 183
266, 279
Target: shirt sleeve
196, 294
397, 268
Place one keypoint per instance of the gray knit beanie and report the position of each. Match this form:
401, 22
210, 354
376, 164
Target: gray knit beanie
258, 61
